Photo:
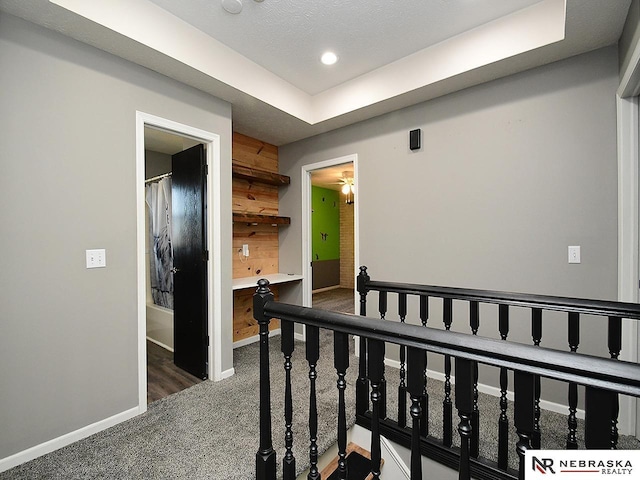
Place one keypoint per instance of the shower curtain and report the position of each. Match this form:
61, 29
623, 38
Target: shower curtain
158, 198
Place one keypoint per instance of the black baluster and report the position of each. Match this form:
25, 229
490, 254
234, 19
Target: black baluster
424, 309
464, 404
362, 281
416, 366
572, 421
382, 310
615, 336
313, 354
503, 321
524, 413
382, 305
341, 363
362, 384
402, 388
615, 345
376, 375
536, 326
597, 427
536, 333
447, 406
574, 331
424, 400
503, 421
474, 322
265, 456
287, 346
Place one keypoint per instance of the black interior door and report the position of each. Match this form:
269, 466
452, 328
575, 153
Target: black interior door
189, 261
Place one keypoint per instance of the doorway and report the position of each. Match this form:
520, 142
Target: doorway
148, 127
170, 368
330, 233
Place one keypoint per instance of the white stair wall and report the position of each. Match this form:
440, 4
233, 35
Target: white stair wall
394, 467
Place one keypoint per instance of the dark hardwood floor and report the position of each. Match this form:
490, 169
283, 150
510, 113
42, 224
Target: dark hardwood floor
337, 300
163, 377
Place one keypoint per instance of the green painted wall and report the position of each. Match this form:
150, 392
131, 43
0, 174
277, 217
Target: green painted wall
325, 224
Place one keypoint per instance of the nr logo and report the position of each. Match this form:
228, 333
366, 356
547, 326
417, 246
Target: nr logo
542, 465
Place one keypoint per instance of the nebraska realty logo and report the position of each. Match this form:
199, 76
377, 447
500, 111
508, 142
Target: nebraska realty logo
581, 464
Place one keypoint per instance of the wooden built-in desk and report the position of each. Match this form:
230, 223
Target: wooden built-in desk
243, 289
274, 279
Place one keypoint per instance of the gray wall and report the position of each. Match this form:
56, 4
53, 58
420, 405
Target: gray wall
156, 163
68, 347
510, 173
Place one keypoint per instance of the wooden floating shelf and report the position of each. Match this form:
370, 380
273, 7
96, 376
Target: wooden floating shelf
257, 218
255, 175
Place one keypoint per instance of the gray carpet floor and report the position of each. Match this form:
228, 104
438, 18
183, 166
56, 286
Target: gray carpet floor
210, 431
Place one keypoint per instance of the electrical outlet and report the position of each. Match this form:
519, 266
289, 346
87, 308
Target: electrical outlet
96, 258
574, 254
245, 250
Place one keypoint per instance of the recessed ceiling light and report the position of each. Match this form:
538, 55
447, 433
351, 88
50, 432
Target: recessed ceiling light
329, 58
232, 6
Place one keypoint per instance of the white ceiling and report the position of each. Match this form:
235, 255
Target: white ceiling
165, 142
287, 37
393, 54
332, 177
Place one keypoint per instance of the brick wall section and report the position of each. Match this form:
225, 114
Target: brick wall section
347, 268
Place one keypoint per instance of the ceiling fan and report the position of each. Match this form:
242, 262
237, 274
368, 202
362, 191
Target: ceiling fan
348, 187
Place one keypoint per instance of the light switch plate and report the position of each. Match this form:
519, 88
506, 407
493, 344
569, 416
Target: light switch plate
574, 254
96, 258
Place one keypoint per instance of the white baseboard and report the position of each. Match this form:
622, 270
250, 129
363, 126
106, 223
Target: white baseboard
254, 339
64, 440
160, 344
494, 391
225, 374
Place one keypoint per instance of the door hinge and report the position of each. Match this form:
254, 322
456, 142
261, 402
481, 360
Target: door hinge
205, 256
205, 169
207, 341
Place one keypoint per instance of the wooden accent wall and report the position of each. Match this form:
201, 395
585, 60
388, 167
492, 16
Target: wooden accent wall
244, 325
250, 196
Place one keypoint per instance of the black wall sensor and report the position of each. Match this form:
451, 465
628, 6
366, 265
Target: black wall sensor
414, 139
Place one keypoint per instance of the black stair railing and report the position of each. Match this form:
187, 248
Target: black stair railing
537, 304
604, 378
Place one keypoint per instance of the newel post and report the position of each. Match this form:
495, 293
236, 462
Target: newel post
362, 384
266, 456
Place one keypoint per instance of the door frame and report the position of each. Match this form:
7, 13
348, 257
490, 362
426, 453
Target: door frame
627, 109
213, 242
307, 255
